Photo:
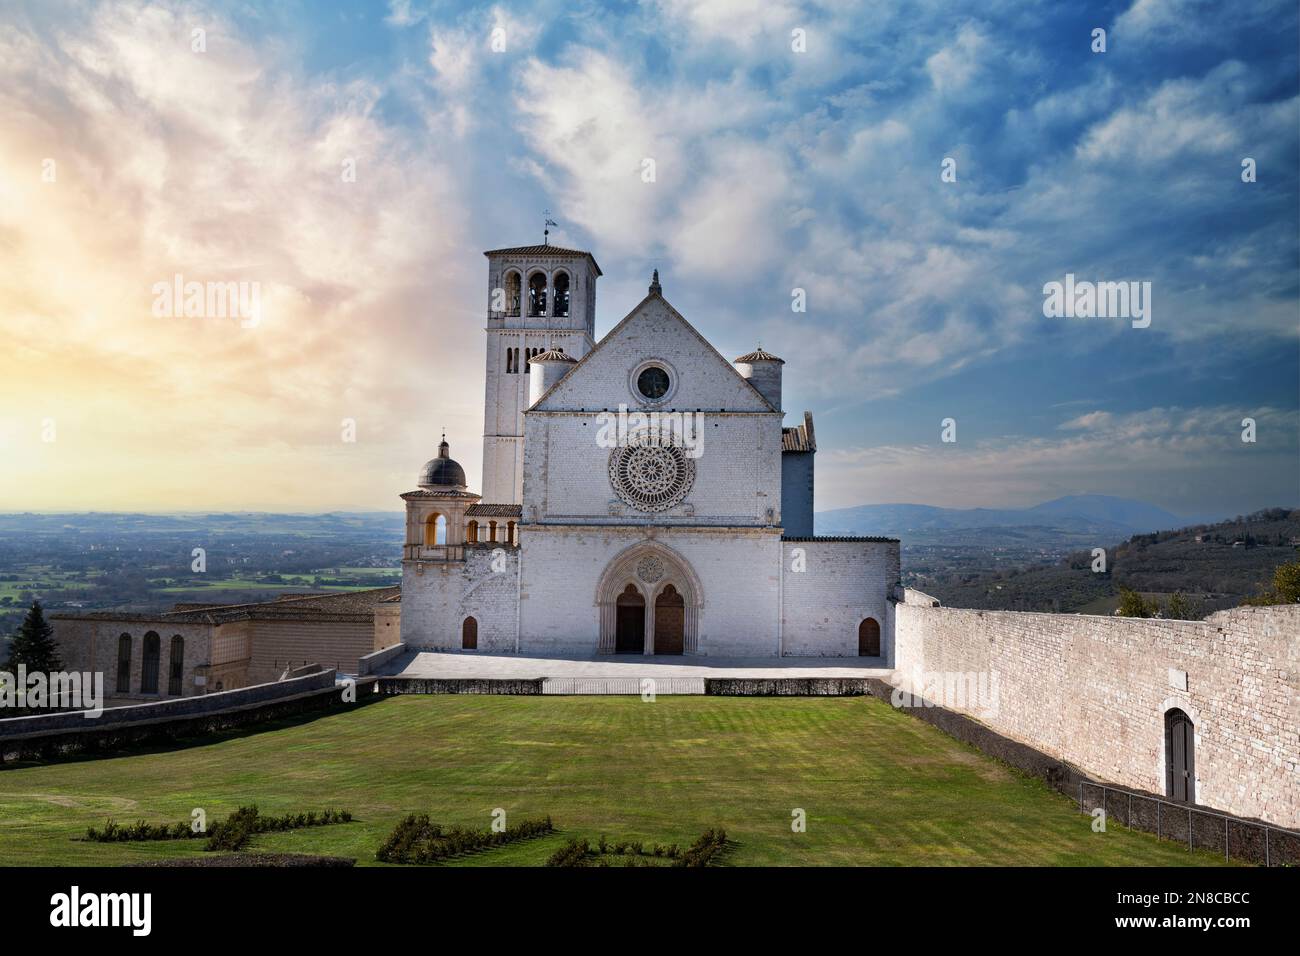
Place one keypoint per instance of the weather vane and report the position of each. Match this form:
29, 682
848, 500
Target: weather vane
546, 228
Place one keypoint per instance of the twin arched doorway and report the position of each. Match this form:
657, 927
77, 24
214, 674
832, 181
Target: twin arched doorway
649, 600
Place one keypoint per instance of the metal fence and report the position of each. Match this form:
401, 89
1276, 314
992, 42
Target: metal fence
1200, 828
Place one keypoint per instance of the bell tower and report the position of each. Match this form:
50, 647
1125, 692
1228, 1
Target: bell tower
540, 298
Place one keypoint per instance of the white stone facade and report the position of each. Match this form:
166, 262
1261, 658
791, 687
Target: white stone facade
615, 539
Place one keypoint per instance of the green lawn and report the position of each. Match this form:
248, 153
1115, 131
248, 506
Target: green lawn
879, 787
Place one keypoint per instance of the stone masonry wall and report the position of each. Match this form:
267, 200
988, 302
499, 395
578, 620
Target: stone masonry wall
437, 596
1094, 691
737, 570
280, 644
92, 645
843, 582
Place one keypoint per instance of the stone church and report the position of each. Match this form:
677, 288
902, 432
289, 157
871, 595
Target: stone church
641, 495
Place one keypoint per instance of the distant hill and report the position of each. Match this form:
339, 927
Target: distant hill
1137, 515
1070, 521
1218, 565
223, 522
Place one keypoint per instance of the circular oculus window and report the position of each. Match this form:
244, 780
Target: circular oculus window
653, 383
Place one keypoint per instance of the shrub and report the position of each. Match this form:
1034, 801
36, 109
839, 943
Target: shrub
417, 839
232, 833
705, 849
573, 853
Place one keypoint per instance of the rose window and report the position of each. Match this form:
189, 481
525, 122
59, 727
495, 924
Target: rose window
649, 476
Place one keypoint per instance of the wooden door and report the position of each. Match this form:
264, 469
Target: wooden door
670, 622
1180, 758
869, 638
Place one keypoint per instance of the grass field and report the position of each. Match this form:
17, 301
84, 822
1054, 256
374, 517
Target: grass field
878, 786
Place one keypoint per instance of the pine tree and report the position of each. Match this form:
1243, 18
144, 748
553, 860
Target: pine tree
33, 644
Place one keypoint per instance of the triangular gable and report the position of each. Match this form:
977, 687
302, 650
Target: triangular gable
654, 330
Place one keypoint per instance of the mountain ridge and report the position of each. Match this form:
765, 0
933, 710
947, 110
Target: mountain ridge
1070, 514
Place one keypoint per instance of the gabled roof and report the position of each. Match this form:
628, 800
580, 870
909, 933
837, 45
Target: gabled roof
799, 437
544, 250
613, 333
355, 606
482, 510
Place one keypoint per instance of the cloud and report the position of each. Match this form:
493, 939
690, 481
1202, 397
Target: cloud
954, 66
223, 166
743, 23
1171, 456
1088, 422
401, 14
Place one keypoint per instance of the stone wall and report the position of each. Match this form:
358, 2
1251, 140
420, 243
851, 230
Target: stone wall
164, 723
437, 597
91, 644
737, 474
1094, 691
737, 570
292, 643
168, 709
843, 582
374, 661
797, 493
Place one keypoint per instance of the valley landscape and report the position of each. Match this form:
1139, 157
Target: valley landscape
1032, 559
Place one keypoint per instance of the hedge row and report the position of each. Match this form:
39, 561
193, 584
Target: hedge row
418, 840
700, 853
231, 834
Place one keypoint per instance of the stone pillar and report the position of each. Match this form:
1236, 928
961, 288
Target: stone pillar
649, 626
608, 623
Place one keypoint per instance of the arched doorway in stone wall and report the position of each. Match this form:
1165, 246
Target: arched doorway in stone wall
869, 638
656, 581
670, 622
629, 634
1180, 757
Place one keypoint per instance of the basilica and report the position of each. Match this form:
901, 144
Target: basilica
640, 495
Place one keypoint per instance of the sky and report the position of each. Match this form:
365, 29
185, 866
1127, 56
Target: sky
353, 160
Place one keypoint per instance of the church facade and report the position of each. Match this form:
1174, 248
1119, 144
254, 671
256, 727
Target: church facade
641, 495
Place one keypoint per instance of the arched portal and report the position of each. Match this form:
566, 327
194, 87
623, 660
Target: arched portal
670, 622
869, 638
176, 666
149, 666
124, 664
629, 634
469, 634
657, 581
1180, 757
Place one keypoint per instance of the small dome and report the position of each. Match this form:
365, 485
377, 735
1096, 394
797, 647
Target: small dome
551, 355
443, 471
758, 355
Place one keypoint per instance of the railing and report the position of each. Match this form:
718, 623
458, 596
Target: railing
1255, 842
